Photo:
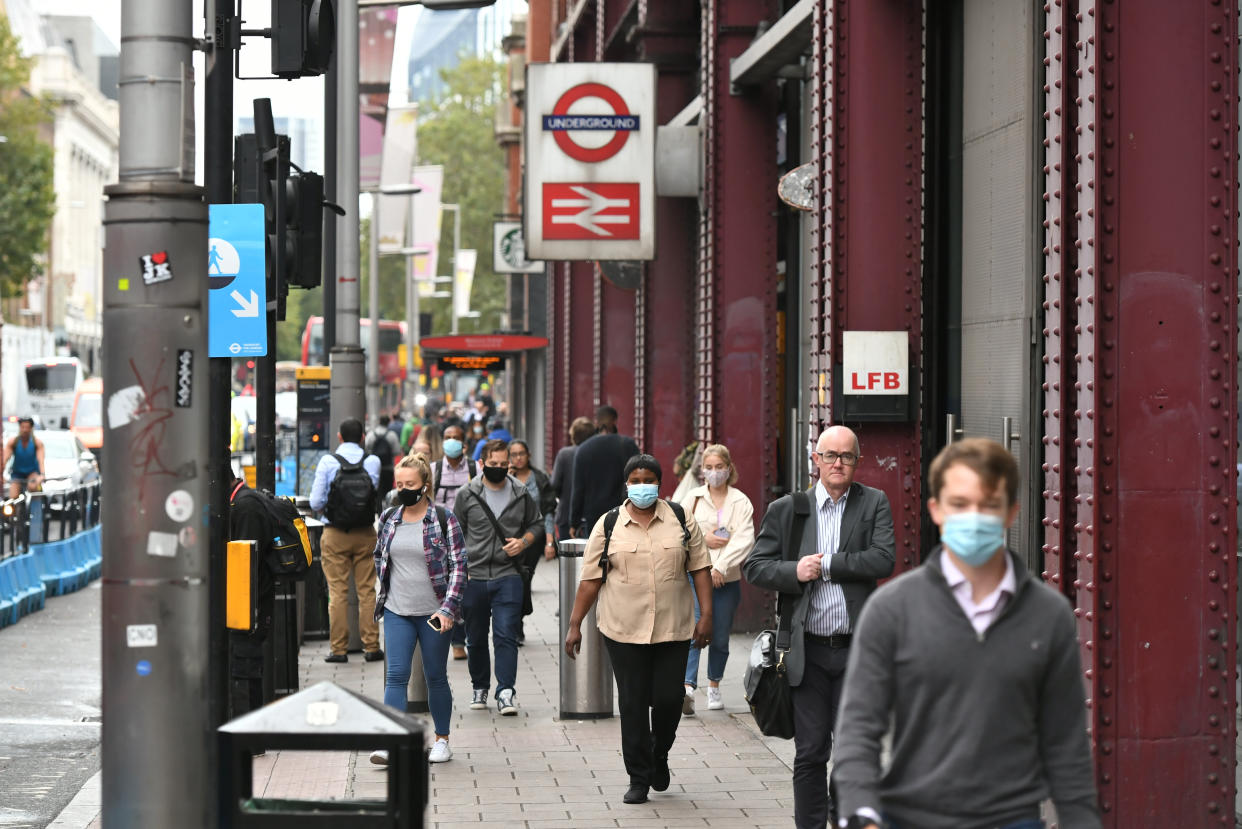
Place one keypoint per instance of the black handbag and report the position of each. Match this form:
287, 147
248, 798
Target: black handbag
766, 682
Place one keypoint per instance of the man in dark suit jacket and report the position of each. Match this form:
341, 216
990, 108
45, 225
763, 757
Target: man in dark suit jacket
598, 479
847, 544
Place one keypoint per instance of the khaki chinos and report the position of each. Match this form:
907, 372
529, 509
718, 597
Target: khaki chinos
343, 551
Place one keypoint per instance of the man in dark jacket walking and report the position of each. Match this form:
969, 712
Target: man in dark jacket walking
976, 661
500, 521
847, 544
598, 482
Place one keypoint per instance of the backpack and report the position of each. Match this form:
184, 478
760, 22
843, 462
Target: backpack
383, 449
610, 521
288, 546
439, 474
351, 498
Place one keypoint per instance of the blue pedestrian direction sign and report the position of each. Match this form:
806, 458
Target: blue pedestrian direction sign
236, 281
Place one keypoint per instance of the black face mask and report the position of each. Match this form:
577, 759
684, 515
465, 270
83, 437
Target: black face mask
495, 474
409, 497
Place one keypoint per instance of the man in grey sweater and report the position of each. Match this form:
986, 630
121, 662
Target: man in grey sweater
499, 520
976, 662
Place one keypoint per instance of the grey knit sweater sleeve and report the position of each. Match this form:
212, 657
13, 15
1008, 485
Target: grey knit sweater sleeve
866, 702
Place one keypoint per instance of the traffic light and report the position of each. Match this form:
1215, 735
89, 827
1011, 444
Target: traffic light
261, 162
304, 230
303, 37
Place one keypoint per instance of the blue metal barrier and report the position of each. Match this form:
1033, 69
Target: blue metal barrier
50, 545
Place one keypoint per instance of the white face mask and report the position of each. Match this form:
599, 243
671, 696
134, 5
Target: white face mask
716, 477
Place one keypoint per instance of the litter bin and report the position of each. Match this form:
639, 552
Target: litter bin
586, 682
315, 613
324, 718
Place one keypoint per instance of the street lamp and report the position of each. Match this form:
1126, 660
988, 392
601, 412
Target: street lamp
373, 378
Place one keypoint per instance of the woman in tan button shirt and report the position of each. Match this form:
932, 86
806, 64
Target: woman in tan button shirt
646, 613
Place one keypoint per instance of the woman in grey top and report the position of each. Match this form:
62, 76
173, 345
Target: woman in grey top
420, 563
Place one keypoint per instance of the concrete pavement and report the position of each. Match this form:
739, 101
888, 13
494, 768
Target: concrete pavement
535, 770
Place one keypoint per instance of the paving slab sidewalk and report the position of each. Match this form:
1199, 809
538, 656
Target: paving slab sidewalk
535, 770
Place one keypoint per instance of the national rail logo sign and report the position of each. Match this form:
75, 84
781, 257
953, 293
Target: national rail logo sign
590, 161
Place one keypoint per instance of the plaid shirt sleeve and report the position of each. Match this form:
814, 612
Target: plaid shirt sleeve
451, 603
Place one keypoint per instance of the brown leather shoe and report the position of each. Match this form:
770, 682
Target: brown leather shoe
459, 652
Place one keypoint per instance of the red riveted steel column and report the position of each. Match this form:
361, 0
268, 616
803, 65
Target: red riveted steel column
737, 301
616, 353
1156, 408
581, 357
1060, 317
874, 227
667, 36
820, 362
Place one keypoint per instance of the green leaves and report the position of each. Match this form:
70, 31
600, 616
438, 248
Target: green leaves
27, 198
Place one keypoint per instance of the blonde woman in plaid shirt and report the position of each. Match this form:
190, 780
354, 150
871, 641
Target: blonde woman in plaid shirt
420, 565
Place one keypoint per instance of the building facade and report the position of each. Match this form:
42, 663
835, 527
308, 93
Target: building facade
1042, 201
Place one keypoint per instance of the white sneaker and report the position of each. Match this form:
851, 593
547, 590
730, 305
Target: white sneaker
440, 752
505, 703
687, 704
714, 700
379, 758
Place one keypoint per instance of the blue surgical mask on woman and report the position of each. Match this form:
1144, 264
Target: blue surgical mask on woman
974, 537
642, 495
452, 447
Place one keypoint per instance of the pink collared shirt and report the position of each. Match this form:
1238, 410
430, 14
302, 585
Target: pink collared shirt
987, 611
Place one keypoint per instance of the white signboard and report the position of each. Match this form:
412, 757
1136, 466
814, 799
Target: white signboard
590, 161
875, 362
509, 250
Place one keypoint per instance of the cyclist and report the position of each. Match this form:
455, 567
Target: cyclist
26, 451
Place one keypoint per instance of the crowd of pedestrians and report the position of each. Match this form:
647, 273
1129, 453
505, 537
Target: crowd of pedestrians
968, 663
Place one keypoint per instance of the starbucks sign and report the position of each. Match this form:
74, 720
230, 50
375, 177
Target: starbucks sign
509, 250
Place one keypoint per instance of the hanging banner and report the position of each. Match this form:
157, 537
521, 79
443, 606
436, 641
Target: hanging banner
463, 281
396, 166
509, 250
590, 161
427, 226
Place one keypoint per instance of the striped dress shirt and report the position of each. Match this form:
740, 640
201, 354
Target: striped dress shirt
827, 614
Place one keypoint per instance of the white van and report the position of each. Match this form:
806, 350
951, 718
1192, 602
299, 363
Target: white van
51, 385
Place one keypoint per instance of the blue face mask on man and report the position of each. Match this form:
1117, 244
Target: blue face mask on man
974, 537
452, 448
642, 495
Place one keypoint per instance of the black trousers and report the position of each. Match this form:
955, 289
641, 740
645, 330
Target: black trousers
815, 703
649, 693
247, 661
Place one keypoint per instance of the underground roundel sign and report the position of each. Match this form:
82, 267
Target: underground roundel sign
590, 161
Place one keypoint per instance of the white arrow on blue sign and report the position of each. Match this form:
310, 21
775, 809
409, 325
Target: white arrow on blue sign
237, 281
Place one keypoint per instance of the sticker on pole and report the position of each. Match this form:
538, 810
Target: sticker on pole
236, 281
141, 636
590, 161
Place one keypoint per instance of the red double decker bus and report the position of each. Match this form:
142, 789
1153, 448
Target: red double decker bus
391, 339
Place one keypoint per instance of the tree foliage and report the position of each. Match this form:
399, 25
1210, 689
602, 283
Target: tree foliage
456, 132
27, 197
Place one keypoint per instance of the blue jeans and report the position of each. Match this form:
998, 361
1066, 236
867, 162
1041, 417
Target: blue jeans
401, 634
724, 604
494, 603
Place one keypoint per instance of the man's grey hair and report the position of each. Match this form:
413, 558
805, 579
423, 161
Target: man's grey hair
823, 434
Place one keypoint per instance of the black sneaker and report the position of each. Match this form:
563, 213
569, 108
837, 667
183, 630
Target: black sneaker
336, 657
376, 655
660, 775
635, 794
479, 702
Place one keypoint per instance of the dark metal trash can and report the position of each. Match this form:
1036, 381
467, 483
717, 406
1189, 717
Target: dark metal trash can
315, 604
586, 682
325, 717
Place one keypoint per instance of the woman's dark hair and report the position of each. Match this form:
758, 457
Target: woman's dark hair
643, 462
519, 442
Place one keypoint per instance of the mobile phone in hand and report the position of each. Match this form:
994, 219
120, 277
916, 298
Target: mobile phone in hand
721, 532
433, 622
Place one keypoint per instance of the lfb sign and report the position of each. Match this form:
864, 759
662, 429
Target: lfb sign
875, 363
590, 161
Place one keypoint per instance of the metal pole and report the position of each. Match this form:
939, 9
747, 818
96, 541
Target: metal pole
218, 176
329, 217
157, 749
372, 349
348, 371
456, 208
413, 326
